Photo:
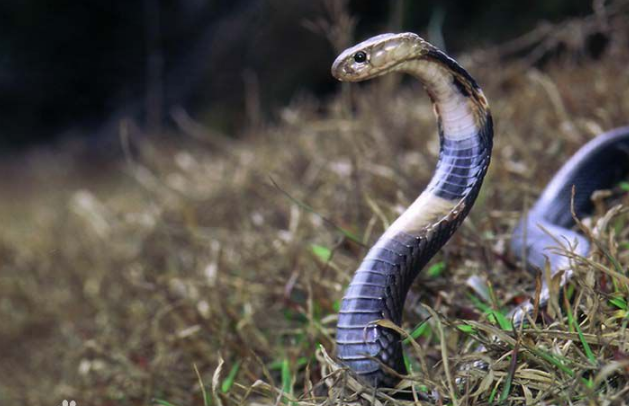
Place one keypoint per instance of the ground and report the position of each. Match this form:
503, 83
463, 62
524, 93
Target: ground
205, 270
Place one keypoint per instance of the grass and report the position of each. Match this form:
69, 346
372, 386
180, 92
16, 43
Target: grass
185, 276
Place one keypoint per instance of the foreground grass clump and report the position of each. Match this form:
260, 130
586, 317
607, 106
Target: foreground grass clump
210, 271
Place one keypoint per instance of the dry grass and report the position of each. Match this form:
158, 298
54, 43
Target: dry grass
113, 293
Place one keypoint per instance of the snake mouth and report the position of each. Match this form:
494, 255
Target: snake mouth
339, 71
346, 69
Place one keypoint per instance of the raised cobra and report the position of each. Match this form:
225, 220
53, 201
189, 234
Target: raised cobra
380, 285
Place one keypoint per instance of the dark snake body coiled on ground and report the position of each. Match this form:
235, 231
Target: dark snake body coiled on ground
380, 285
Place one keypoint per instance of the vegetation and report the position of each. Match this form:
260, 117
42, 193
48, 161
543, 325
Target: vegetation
208, 271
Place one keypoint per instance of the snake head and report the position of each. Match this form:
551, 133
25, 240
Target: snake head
377, 56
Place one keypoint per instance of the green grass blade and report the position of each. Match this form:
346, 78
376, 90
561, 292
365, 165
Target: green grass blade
507, 387
407, 362
502, 320
287, 378
496, 316
550, 358
575, 326
436, 269
493, 393
619, 302
480, 305
467, 329
420, 330
323, 253
229, 380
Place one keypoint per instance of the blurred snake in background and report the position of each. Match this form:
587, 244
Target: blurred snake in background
380, 285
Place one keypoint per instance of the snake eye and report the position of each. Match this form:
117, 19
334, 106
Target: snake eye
360, 57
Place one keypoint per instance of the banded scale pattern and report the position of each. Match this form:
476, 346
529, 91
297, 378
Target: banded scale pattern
459, 165
381, 283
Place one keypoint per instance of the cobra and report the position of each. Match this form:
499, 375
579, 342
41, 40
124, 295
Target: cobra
380, 284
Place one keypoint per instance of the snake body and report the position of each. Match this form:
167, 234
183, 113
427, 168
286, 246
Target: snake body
599, 164
380, 284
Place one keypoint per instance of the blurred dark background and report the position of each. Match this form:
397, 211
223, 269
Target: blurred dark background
73, 69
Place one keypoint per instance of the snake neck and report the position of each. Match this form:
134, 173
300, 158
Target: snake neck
465, 132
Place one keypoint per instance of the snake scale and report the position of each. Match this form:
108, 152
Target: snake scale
380, 284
